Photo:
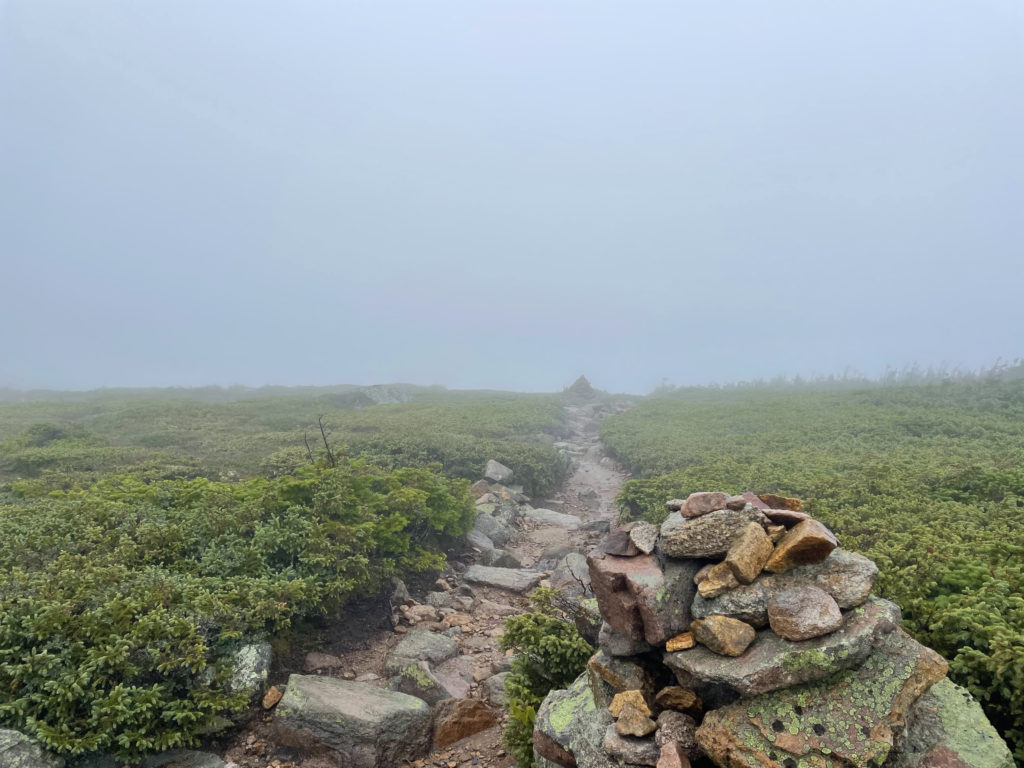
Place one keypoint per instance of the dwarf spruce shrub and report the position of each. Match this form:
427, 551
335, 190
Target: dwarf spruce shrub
549, 654
121, 604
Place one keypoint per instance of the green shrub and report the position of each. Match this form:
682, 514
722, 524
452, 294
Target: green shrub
550, 654
926, 481
121, 604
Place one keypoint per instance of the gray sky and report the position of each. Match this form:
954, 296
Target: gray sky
506, 194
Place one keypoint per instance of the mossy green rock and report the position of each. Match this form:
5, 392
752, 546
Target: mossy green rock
362, 725
948, 729
849, 720
418, 680
772, 663
569, 729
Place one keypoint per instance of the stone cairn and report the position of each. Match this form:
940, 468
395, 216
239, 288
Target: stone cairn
741, 634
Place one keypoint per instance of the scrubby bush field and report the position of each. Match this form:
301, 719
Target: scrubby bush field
926, 480
147, 539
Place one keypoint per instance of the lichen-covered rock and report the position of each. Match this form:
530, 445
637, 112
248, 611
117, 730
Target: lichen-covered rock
420, 646
846, 576
806, 543
749, 553
494, 689
729, 637
251, 667
570, 728
708, 536
772, 663
18, 751
364, 726
417, 680
948, 729
849, 720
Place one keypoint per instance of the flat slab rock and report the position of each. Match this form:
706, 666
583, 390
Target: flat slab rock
948, 729
847, 576
710, 535
512, 579
421, 646
365, 726
849, 720
771, 663
550, 517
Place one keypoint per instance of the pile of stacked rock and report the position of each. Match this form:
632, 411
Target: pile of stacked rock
739, 632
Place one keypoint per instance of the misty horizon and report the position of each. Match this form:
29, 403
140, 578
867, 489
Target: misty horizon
505, 197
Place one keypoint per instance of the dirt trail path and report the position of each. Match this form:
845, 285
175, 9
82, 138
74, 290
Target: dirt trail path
588, 493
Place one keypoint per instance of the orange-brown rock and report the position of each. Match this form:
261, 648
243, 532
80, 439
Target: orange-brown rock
723, 635
633, 697
633, 722
775, 532
683, 642
673, 756
681, 700
719, 579
774, 501
455, 719
271, 697
748, 553
806, 543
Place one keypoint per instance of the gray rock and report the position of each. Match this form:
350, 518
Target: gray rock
802, 613
418, 680
421, 646
251, 667
948, 729
600, 525
368, 727
644, 536
478, 540
399, 592
630, 750
616, 643
18, 751
771, 663
512, 579
589, 497
439, 599
572, 574
707, 536
679, 727
183, 758
456, 675
847, 576
494, 689
550, 517
497, 472
500, 558
493, 529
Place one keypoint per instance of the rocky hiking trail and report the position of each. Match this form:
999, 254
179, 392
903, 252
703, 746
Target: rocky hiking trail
444, 646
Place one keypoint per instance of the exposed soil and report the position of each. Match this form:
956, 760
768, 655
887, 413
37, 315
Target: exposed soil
362, 637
